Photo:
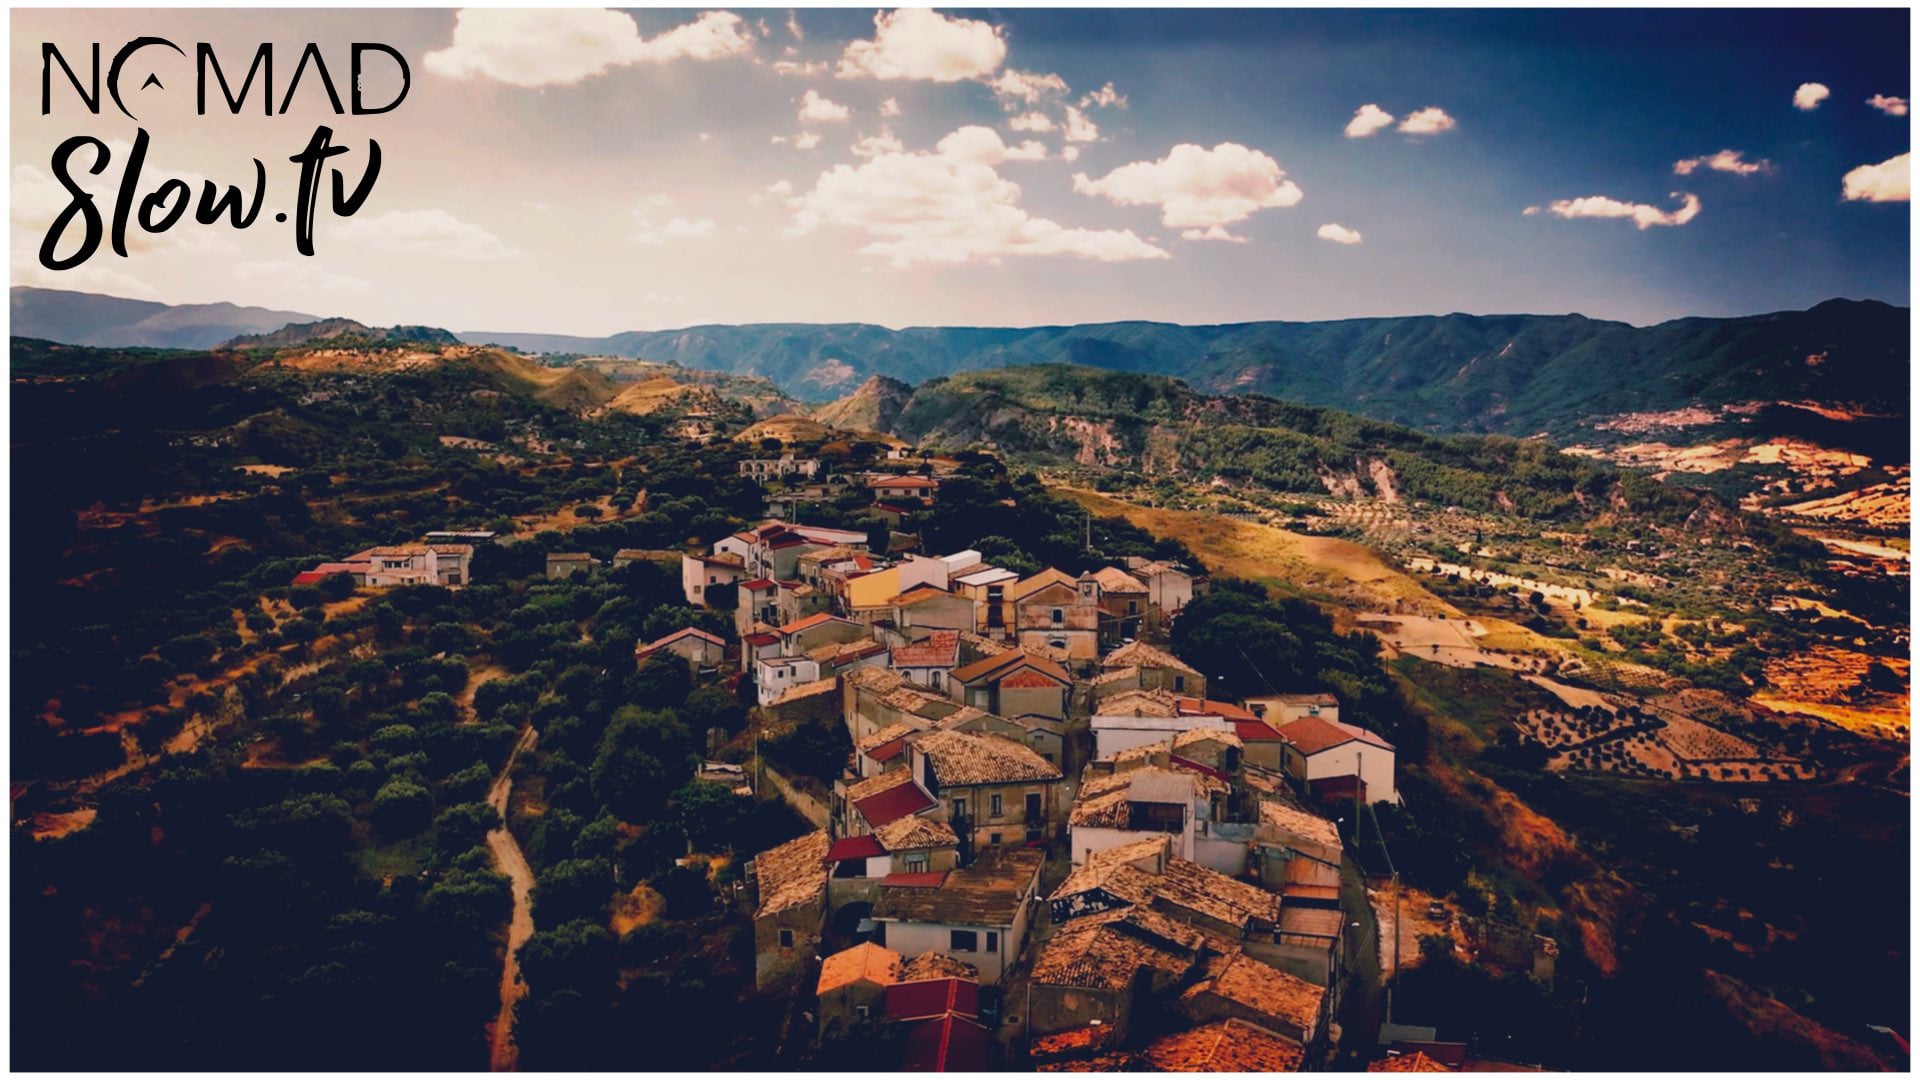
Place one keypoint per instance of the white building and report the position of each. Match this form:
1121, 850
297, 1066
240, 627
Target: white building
1112, 734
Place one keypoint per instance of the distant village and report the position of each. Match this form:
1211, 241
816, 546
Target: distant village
1011, 730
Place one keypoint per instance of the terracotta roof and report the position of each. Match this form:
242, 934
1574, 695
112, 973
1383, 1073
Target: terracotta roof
1007, 662
1263, 988
988, 893
1114, 675
1028, 680
1114, 579
689, 631
940, 649
1414, 1062
1109, 870
762, 639
724, 558
855, 847
1072, 1041
568, 556
805, 690
811, 621
898, 797
1313, 734
792, 874
937, 965
1025, 587
913, 833
920, 879
1106, 802
915, 999
891, 733
395, 551
865, 962
1317, 698
1226, 1046
1302, 823
965, 757
757, 584
1184, 739
1211, 893
1138, 703
951, 1043
1141, 654
1106, 951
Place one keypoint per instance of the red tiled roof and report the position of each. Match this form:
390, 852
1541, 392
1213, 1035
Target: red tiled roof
888, 750
926, 879
1251, 731
761, 640
808, 623
757, 584
933, 997
894, 803
1311, 735
685, 631
988, 666
1226, 710
948, 1044
855, 847
1027, 680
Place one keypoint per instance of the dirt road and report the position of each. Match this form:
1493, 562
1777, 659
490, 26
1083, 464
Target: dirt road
511, 862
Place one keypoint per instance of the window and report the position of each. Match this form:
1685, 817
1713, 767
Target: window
1133, 607
994, 807
1057, 643
993, 941
936, 680
993, 839
865, 1011
786, 939
1059, 617
959, 809
1179, 682
918, 862
964, 941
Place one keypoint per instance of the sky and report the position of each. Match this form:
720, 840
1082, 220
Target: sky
593, 171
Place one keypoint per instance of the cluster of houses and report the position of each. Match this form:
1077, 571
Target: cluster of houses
897, 497
1204, 888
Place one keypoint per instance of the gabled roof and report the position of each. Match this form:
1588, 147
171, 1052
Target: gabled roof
1301, 823
757, 584
1256, 731
1262, 988
986, 575
915, 833
951, 1043
792, 874
1028, 586
818, 619
1138, 703
1314, 734
1141, 654
1003, 664
762, 639
892, 733
965, 757
1227, 1046
1209, 892
683, 632
1226, 710
865, 962
1107, 950
937, 965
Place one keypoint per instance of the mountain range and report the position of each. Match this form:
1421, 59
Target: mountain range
1506, 374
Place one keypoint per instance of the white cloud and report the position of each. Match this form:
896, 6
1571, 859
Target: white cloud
1198, 188
1726, 161
1642, 215
1105, 97
562, 46
1212, 232
983, 145
875, 145
1079, 128
793, 26
1028, 88
949, 206
1892, 106
780, 188
1431, 120
1885, 182
1808, 96
1070, 153
1339, 234
90, 276
706, 136
806, 140
805, 69
815, 109
649, 231
890, 108
1368, 119
916, 43
1033, 121
287, 276
425, 232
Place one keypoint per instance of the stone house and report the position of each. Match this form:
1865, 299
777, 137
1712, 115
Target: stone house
1107, 967
1239, 987
697, 647
1122, 605
565, 564
978, 914
1062, 616
852, 990
991, 791
791, 883
1013, 683
1154, 668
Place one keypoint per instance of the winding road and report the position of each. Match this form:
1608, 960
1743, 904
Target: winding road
505, 1056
